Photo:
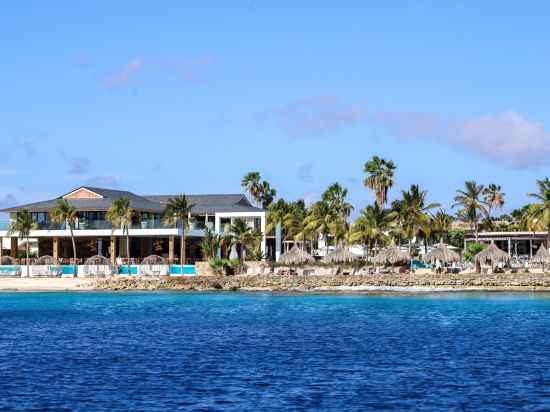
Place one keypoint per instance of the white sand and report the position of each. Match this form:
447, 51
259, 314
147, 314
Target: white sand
45, 284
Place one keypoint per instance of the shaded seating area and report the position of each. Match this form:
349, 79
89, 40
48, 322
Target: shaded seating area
391, 256
441, 256
541, 259
98, 266
491, 259
45, 267
154, 265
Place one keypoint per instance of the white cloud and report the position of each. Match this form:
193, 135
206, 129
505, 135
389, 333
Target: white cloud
506, 138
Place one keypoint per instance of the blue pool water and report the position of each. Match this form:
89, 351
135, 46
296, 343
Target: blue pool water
164, 351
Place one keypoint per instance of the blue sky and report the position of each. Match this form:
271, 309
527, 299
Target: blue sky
169, 97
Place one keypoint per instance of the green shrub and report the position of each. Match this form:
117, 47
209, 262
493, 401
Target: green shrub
473, 249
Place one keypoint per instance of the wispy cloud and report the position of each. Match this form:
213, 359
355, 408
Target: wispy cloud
7, 200
76, 165
192, 70
316, 115
103, 181
122, 77
506, 138
305, 172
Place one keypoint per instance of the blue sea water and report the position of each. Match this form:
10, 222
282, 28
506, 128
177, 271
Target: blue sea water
166, 351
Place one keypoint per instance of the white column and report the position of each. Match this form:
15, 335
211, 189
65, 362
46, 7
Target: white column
100, 247
262, 228
277, 241
510, 246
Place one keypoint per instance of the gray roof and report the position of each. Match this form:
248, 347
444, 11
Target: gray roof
213, 203
203, 203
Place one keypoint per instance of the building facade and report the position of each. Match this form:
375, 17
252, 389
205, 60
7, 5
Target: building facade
517, 244
149, 234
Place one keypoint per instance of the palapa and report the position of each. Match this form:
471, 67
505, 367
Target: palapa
441, 253
493, 255
542, 257
295, 256
339, 255
391, 256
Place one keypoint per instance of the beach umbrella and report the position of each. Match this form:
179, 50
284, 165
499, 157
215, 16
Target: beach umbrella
295, 256
391, 255
340, 255
441, 253
541, 258
493, 255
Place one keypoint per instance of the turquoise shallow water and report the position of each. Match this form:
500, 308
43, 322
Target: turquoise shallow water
165, 351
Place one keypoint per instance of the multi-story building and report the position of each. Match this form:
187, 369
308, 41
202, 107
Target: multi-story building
148, 233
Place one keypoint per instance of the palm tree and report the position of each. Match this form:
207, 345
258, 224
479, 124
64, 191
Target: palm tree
372, 226
210, 244
120, 216
414, 209
441, 224
63, 212
472, 206
380, 178
22, 225
244, 237
178, 212
267, 194
335, 196
493, 197
321, 220
251, 184
539, 213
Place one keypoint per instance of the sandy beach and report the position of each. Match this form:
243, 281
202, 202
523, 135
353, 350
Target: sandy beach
45, 284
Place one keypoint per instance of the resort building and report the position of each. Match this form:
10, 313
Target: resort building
149, 235
517, 244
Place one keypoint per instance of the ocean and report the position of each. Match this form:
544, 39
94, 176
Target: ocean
163, 351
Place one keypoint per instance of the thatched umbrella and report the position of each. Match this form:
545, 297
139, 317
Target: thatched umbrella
493, 255
295, 256
441, 253
391, 255
542, 257
340, 255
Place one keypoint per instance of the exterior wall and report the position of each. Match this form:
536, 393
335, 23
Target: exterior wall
82, 193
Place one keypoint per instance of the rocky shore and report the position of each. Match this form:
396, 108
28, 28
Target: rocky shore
518, 281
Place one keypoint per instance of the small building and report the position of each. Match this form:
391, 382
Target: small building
148, 233
517, 244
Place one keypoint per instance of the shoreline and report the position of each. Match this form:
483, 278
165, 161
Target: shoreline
284, 284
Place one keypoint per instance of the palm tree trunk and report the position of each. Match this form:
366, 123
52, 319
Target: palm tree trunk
74, 248
27, 250
128, 251
182, 247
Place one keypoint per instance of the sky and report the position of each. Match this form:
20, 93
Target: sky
187, 97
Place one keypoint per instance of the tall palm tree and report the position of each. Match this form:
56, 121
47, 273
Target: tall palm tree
372, 227
493, 197
244, 237
63, 212
178, 212
251, 184
472, 206
267, 194
380, 178
336, 196
539, 213
120, 216
441, 224
22, 225
415, 211
321, 220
